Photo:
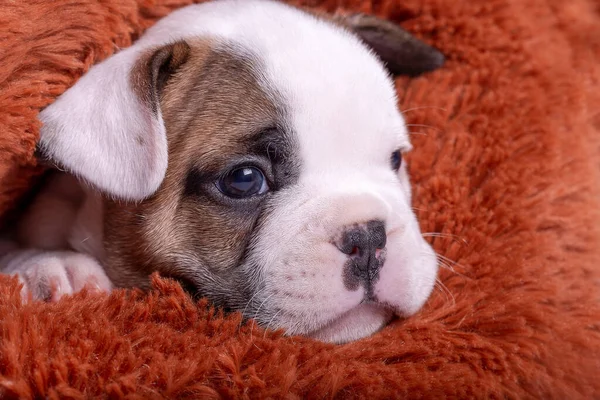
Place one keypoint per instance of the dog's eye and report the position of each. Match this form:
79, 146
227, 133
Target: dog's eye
396, 160
243, 182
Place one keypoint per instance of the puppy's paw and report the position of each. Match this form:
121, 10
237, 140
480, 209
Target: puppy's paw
48, 275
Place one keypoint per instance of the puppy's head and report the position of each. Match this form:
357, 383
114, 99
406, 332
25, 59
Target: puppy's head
254, 151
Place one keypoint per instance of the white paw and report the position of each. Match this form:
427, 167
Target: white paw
48, 275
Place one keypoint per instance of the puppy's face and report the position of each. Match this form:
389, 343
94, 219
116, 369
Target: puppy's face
285, 195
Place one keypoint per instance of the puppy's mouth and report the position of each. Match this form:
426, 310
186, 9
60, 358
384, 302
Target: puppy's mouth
360, 321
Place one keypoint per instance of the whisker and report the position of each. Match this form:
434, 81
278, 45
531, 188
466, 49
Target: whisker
261, 304
417, 133
455, 238
438, 286
445, 263
425, 126
269, 324
258, 310
447, 291
446, 266
248, 303
298, 324
450, 261
422, 108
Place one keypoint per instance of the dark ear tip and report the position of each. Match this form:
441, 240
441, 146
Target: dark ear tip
424, 60
400, 51
439, 59
434, 60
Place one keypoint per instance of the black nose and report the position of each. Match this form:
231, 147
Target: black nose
363, 243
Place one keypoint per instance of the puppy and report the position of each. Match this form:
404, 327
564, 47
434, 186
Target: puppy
249, 149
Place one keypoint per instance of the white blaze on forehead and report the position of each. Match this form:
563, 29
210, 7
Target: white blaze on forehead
338, 96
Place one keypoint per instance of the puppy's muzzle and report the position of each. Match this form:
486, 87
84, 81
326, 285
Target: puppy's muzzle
365, 246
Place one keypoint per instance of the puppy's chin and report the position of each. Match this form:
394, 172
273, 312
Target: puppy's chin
361, 321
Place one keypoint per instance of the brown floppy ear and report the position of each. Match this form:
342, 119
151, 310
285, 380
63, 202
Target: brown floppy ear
151, 73
108, 128
402, 53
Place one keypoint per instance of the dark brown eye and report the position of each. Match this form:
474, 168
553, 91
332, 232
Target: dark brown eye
396, 160
243, 182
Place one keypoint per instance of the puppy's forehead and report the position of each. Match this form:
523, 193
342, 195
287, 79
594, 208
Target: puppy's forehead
337, 95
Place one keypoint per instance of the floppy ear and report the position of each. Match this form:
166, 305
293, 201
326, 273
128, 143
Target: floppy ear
402, 52
108, 128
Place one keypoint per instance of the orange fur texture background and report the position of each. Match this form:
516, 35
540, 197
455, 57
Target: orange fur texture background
508, 162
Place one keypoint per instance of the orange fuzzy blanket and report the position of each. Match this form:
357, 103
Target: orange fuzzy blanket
508, 163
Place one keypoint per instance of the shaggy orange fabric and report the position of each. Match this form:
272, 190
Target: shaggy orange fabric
506, 158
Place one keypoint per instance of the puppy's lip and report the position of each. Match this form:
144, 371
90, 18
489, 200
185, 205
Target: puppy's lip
385, 308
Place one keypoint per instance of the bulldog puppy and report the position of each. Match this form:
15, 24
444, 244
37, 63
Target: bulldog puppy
249, 149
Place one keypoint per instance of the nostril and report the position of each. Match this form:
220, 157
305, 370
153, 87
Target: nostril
350, 248
363, 240
377, 234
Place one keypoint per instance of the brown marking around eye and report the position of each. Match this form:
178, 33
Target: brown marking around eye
210, 106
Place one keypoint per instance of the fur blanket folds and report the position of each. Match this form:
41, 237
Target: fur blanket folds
506, 159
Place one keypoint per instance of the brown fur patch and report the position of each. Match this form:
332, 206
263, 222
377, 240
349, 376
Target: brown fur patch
149, 75
212, 106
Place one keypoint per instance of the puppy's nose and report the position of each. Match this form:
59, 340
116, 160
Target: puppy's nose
363, 245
